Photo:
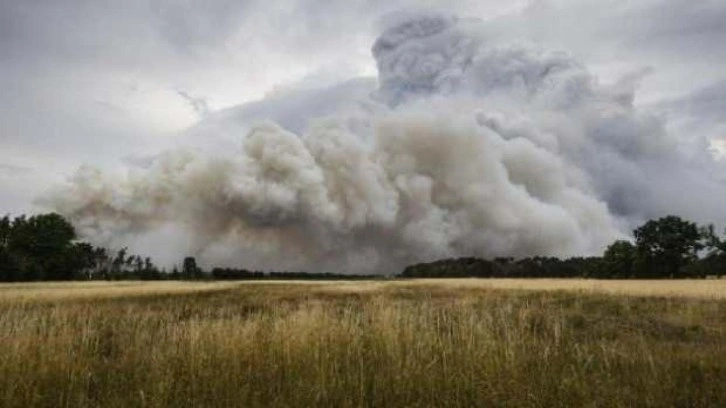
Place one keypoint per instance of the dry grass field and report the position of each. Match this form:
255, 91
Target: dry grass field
701, 288
419, 343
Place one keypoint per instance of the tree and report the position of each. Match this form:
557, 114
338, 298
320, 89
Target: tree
102, 263
148, 265
712, 260
8, 269
5, 225
83, 260
618, 260
175, 273
189, 268
665, 246
138, 265
119, 261
44, 247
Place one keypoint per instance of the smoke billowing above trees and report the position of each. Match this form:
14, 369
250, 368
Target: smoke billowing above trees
462, 147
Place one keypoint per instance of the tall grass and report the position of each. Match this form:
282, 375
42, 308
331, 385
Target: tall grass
366, 344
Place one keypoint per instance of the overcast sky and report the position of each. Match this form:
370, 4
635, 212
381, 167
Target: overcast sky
100, 82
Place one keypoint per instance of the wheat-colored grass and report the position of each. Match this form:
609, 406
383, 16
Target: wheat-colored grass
404, 343
700, 288
55, 291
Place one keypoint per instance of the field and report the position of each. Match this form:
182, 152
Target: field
420, 343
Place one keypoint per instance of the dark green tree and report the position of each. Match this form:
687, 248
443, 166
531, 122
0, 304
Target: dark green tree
190, 269
8, 268
118, 263
42, 246
103, 264
712, 260
175, 273
665, 246
5, 225
617, 261
83, 260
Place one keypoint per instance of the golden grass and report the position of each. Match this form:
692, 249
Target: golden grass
700, 288
405, 343
54, 291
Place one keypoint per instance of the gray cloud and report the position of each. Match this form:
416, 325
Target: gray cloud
13, 170
199, 105
702, 115
94, 82
707, 103
467, 146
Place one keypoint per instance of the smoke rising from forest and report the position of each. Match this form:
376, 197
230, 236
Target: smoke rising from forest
462, 147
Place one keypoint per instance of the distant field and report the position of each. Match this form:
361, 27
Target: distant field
56, 291
703, 288
421, 343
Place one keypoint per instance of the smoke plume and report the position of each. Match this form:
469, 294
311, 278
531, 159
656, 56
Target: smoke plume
462, 147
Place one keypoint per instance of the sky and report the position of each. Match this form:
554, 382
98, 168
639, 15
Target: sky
112, 84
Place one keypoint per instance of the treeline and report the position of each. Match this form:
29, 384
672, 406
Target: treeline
45, 247
243, 274
535, 267
666, 248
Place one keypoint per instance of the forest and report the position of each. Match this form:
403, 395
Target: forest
666, 248
45, 247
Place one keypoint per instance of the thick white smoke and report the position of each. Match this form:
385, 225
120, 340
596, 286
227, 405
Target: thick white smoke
464, 147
